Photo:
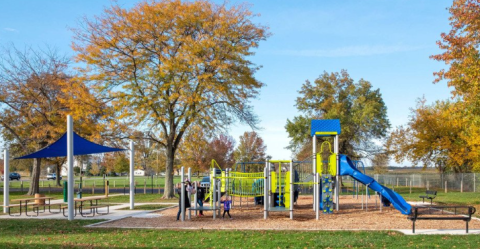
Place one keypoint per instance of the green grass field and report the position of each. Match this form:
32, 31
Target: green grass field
65, 234
118, 182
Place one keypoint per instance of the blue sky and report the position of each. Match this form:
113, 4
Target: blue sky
385, 42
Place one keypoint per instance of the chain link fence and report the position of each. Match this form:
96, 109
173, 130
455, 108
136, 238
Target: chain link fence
459, 182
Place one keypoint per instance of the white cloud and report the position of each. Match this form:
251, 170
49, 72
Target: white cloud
10, 30
349, 51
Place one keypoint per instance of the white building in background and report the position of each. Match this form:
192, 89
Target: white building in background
139, 172
76, 163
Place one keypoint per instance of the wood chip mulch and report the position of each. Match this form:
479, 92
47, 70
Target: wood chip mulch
349, 217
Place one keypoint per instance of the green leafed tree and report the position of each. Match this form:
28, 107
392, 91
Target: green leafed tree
122, 163
360, 108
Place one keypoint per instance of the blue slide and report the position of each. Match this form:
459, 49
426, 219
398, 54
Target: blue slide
347, 168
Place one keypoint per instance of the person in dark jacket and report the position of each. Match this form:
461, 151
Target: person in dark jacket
200, 198
185, 196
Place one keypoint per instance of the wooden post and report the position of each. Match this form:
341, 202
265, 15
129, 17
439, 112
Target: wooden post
446, 187
428, 185
474, 187
397, 182
21, 186
461, 184
93, 188
49, 188
114, 185
144, 186
410, 186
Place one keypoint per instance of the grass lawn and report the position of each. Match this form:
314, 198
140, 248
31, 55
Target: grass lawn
62, 233
147, 207
119, 181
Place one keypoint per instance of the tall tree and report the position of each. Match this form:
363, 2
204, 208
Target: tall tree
221, 149
380, 163
121, 163
250, 148
36, 94
360, 108
170, 64
434, 136
193, 151
461, 54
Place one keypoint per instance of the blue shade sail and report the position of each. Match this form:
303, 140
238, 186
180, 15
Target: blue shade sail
81, 146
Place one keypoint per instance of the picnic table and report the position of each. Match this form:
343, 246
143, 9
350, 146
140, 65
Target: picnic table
23, 203
90, 206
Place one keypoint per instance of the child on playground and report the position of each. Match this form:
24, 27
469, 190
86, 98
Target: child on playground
227, 204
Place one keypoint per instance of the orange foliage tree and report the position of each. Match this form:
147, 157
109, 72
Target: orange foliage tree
170, 64
36, 95
434, 136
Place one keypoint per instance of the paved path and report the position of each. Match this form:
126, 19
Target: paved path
114, 213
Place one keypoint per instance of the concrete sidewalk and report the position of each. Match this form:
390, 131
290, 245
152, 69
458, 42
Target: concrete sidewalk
114, 213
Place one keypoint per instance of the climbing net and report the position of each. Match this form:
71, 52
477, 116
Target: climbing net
244, 184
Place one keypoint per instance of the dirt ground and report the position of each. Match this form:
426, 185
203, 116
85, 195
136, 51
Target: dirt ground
349, 217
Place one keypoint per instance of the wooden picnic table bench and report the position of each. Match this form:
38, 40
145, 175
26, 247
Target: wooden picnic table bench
91, 206
35, 206
441, 213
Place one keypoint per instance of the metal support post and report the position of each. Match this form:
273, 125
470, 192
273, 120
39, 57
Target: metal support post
337, 177
70, 184
6, 180
182, 194
214, 193
132, 176
292, 191
314, 170
317, 203
265, 192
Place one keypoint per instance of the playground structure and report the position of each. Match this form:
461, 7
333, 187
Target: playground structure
278, 186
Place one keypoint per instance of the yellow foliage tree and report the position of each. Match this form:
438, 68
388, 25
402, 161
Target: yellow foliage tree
36, 95
170, 64
435, 136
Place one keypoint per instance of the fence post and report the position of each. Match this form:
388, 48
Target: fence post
446, 187
21, 186
93, 188
474, 187
114, 185
397, 182
428, 185
461, 184
144, 186
49, 188
410, 186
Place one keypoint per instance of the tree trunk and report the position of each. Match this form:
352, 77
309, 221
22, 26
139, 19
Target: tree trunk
168, 192
58, 172
35, 182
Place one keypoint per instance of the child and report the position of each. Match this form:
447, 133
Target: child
226, 207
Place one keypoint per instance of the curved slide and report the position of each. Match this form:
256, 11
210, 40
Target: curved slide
347, 168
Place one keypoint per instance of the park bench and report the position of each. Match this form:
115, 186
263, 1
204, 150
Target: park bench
441, 213
429, 194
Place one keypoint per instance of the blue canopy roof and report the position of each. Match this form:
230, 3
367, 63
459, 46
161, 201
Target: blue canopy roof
81, 146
